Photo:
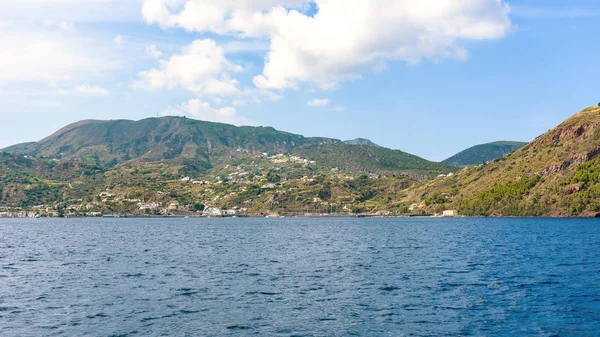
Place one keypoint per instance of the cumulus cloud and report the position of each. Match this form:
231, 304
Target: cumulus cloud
204, 111
318, 102
345, 38
225, 17
153, 52
201, 68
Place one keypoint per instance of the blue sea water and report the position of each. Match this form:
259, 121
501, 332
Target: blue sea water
300, 277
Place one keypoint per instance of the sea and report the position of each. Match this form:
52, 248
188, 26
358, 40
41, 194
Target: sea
300, 277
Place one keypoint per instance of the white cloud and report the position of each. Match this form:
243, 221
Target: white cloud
91, 90
39, 42
51, 56
345, 38
201, 68
243, 18
119, 39
204, 111
338, 108
318, 102
153, 52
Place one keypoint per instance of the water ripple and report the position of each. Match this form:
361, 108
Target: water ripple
299, 277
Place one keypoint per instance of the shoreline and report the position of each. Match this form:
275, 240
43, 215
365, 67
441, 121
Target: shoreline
363, 216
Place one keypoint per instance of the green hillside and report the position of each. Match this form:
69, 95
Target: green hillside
29, 181
361, 141
254, 184
201, 145
558, 174
261, 171
114, 166
154, 139
365, 158
483, 153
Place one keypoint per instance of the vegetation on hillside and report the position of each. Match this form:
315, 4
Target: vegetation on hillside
257, 185
201, 145
558, 174
555, 175
361, 141
483, 153
364, 158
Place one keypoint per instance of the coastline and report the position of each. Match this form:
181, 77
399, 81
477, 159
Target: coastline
303, 216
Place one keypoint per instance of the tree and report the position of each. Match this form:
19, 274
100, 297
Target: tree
273, 177
324, 194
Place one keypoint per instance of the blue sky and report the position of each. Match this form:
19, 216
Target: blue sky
427, 78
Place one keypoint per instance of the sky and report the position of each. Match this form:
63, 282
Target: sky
427, 77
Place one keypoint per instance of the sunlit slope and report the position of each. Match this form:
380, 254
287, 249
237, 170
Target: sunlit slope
558, 174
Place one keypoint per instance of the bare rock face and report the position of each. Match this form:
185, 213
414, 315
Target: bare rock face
570, 189
579, 158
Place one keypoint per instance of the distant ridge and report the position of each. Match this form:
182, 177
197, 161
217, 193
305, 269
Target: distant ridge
483, 153
361, 141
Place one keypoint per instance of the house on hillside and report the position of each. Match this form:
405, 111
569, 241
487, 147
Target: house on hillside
450, 213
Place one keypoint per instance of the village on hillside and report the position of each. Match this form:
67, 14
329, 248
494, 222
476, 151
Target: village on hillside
263, 187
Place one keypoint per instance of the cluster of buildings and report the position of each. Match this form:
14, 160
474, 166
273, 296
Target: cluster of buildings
19, 214
45, 214
281, 158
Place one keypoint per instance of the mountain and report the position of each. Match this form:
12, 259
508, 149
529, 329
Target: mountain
154, 139
483, 153
557, 174
173, 164
361, 141
204, 145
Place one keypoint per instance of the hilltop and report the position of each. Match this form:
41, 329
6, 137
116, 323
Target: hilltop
201, 146
557, 174
110, 143
483, 153
361, 141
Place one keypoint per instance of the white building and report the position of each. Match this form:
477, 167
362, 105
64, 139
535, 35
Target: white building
450, 213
